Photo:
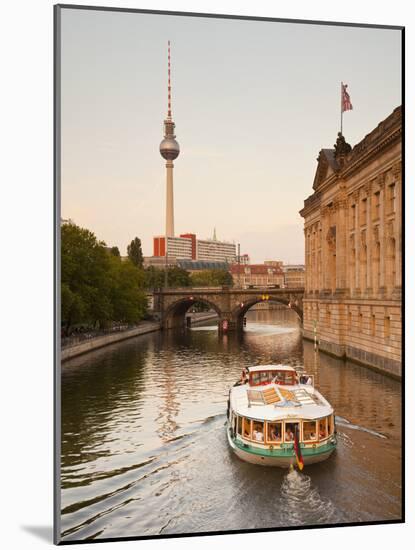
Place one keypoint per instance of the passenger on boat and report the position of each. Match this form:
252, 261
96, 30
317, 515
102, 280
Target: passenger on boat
275, 435
244, 378
289, 436
258, 436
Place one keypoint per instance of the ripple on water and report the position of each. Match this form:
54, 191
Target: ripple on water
301, 503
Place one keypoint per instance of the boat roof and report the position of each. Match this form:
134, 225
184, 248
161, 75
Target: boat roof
270, 367
307, 403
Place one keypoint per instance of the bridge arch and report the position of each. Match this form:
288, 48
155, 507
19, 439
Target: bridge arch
175, 313
241, 309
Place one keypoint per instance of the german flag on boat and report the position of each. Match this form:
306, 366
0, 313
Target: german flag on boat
297, 450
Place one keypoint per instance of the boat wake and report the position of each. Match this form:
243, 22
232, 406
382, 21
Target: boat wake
302, 503
340, 421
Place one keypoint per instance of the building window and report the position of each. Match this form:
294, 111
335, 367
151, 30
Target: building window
373, 325
360, 322
387, 327
328, 317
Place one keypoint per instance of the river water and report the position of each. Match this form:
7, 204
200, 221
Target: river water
144, 449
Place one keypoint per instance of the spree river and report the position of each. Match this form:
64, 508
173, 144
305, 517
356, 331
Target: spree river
144, 448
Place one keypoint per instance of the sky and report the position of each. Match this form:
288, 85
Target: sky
253, 102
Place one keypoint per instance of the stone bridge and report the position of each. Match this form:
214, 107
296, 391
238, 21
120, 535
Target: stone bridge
231, 304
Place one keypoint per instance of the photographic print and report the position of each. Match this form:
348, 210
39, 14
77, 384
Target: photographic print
229, 225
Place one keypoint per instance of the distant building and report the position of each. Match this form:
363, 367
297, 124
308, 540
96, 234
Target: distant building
201, 265
188, 247
276, 263
294, 276
243, 259
353, 248
178, 247
257, 275
159, 262
216, 251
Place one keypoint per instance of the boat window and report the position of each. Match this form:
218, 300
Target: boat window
274, 431
239, 418
322, 428
258, 431
310, 431
330, 424
247, 428
234, 420
290, 429
264, 376
285, 378
255, 378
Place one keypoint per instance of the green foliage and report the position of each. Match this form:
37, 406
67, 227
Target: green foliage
115, 251
135, 253
128, 300
176, 277
211, 277
96, 286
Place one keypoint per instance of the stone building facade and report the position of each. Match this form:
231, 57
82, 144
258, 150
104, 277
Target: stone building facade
257, 275
353, 248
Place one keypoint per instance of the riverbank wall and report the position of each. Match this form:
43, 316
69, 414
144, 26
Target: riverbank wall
144, 328
100, 341
372, 361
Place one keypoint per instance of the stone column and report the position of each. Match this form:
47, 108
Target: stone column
397, 174
382, 232
341, 244
369, 274
356, 197
324, 249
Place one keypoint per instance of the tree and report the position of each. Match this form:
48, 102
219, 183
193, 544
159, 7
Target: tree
129, 302
176, 277
115, 251
212, 277
135, 253
96, 286
84, 277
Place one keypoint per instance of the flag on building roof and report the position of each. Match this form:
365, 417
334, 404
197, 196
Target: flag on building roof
346, 103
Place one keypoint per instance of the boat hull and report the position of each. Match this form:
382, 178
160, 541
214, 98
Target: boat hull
281, 459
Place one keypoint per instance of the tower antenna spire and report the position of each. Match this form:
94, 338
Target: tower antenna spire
169, 150
169, 84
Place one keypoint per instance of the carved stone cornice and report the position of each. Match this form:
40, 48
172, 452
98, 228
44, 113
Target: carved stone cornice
325, 211
367, 188
380, 180
388, 132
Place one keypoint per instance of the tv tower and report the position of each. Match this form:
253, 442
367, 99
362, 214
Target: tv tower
169, 150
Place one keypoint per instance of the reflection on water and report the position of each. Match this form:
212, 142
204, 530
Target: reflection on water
144, 448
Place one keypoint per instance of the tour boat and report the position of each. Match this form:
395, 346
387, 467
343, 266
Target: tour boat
276, 417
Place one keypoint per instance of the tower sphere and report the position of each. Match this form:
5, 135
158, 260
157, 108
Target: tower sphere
169, 148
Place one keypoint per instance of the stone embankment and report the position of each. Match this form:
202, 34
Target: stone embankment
96, 342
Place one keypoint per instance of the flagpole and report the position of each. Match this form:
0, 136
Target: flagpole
341, 108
